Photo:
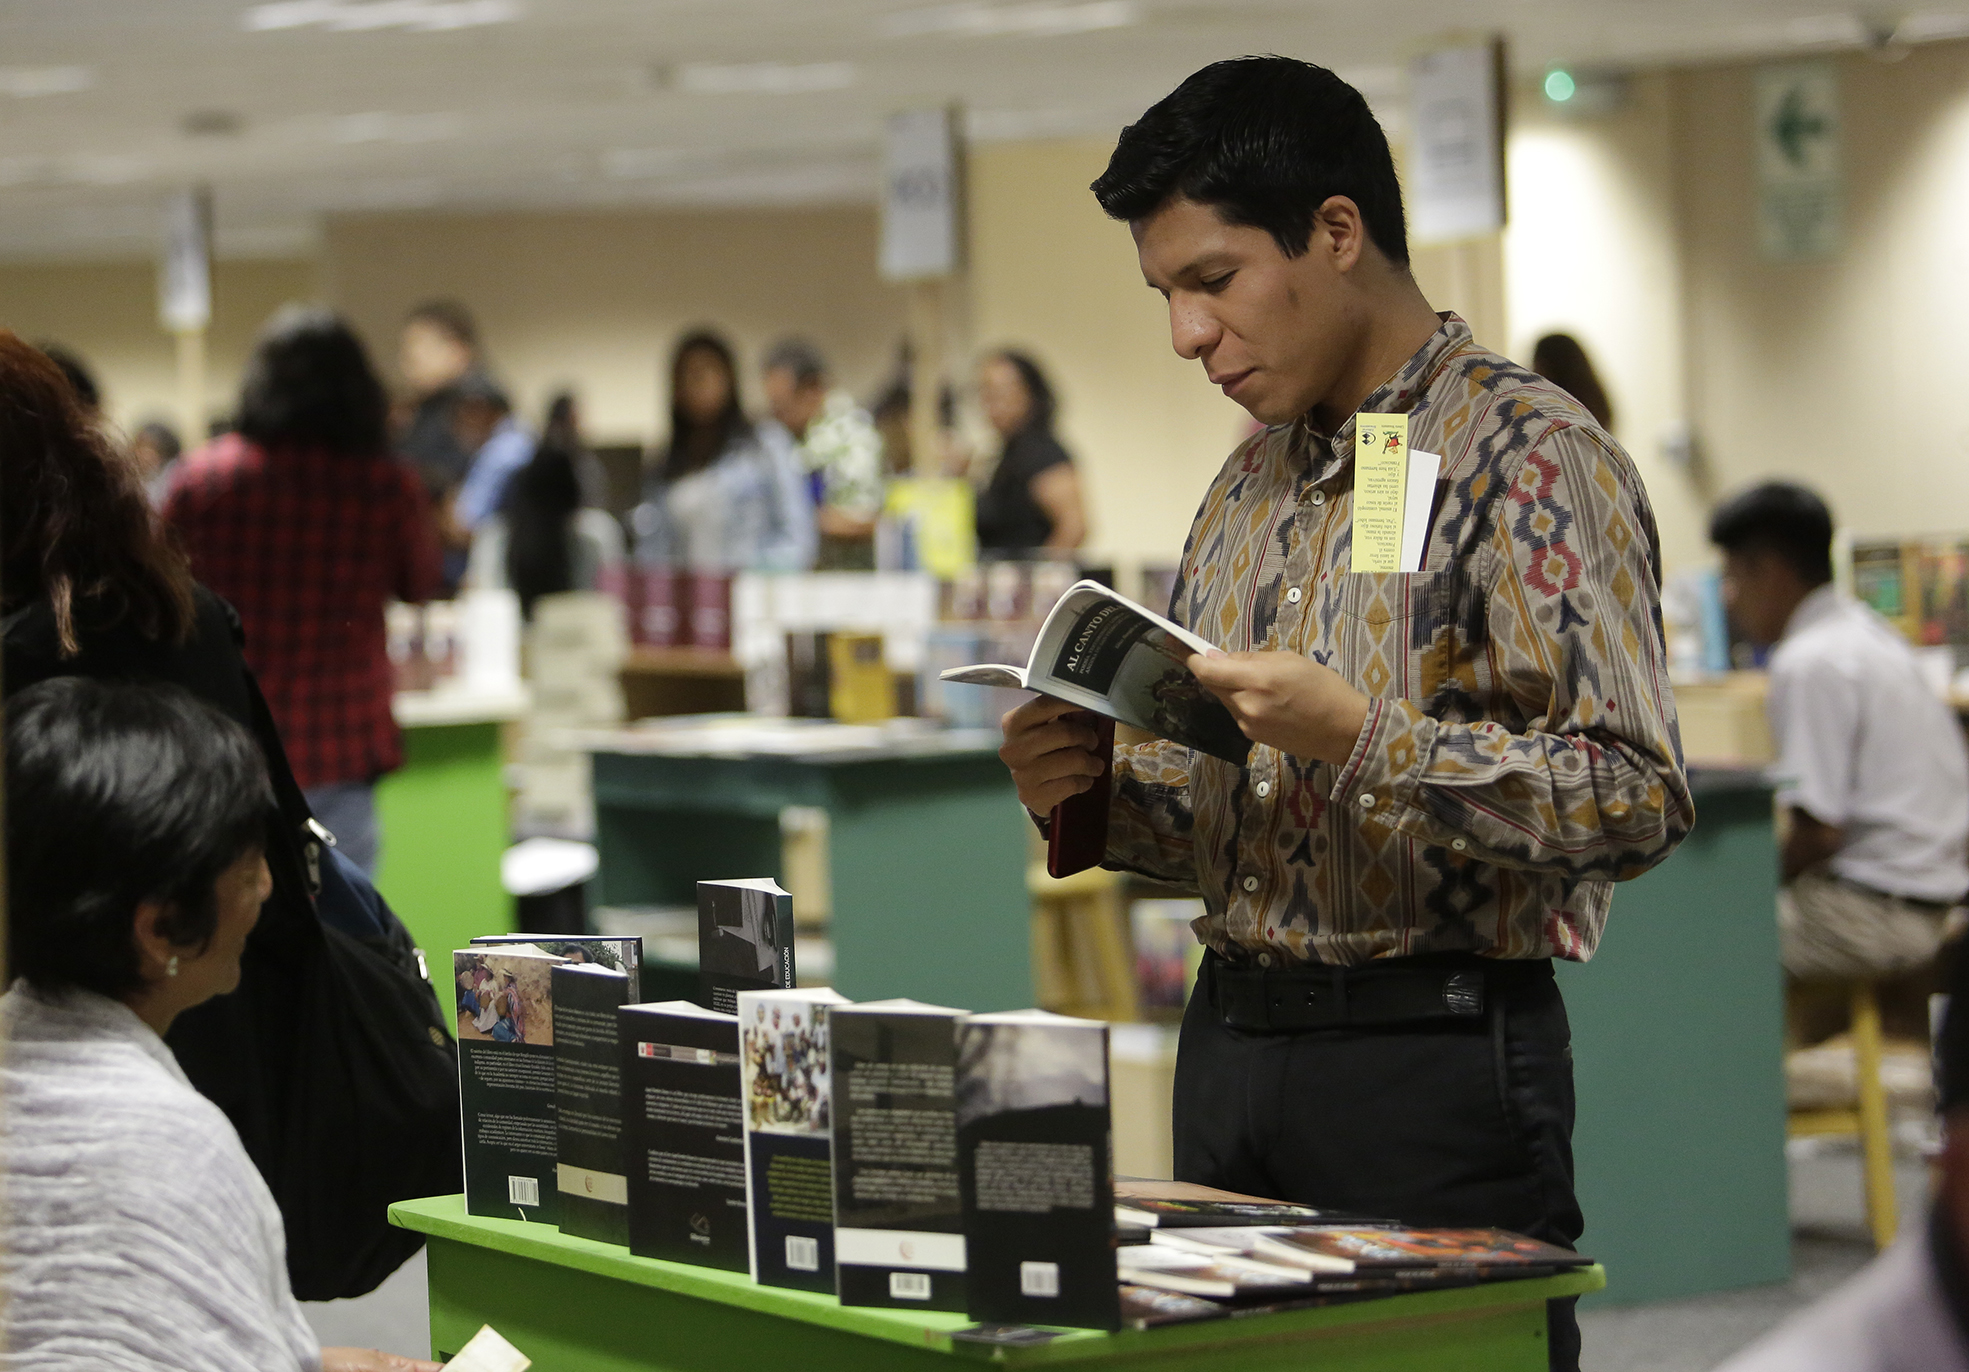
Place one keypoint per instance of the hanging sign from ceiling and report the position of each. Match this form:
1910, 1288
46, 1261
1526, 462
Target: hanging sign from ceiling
1800, 186
1456, 152
184, 272
921, 186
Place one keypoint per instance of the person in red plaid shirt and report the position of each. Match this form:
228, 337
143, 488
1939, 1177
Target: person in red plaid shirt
308, 524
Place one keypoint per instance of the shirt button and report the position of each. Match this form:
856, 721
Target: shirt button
1367, 800
1292, 596
1264, 959
1263, 788
1251, 883
1319, 497
1458, 844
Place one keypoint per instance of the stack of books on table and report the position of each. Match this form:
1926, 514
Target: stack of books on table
886, 1153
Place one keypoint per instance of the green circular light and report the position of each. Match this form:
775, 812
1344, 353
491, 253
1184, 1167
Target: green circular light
1559, 85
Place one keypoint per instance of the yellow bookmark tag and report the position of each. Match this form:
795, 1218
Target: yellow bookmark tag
1380, 490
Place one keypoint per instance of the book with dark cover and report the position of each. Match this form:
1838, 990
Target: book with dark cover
898, 1210
1388, 1250
1180, 1204
506, 1080
785, 1082
744, 940
1033, 1166
590, 1173
621, 954
683, 1134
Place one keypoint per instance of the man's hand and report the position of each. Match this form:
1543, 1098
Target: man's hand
369, 1360
1287, 701
1049, 748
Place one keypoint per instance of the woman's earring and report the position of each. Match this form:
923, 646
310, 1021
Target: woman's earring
171, 967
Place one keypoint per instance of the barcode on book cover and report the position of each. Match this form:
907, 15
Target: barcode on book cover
523, 1190
909, 1286
1039, 1279
802, 1255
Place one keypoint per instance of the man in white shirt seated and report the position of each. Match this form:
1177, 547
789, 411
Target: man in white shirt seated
1871, 765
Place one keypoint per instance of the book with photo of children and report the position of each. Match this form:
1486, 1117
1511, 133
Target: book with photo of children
505, 1000
619, 953
786, 1084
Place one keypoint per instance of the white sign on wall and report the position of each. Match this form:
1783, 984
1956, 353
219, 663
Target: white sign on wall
920, 195
1456, 151
1800, 187
184, 272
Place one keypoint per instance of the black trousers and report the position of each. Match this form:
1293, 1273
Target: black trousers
1439, 1123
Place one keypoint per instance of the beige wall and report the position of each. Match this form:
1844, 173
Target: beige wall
106, 312
595, 300
1848, 373
1051, 273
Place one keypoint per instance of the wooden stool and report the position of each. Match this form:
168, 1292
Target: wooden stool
1081, 958
1869, 1120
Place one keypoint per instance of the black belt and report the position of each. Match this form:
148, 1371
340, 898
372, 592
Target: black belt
1390, 991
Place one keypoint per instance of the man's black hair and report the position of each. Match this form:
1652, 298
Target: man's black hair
119, 793
1780, 518
1264, 141
798, 356
452, 317
309, 385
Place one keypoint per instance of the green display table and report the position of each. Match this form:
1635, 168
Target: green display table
1678, 1057
444, 820
926, 846
571, 1304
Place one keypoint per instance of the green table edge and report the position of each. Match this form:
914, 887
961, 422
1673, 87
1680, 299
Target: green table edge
444, 1217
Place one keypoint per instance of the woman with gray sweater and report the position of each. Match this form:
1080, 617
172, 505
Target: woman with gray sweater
138, 1234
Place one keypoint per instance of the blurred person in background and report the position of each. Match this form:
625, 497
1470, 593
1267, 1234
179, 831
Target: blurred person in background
720, 499
80, 379
836, 445
1032, 502
546, 538
138, 1233
155, 450
1907, 1310
1559, 358
439, 347
1872, 771
305, 522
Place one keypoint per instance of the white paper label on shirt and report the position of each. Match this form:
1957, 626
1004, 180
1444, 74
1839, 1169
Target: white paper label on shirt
1417, 498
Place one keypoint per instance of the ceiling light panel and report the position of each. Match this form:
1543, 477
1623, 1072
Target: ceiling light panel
358, 16
761, 78
1040, 20
26, 83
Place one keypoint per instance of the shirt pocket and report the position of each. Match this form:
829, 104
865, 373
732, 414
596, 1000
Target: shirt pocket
1378, 599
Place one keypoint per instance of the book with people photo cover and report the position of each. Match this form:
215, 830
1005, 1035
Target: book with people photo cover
1100, 650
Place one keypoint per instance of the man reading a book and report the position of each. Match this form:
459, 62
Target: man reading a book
1453, 764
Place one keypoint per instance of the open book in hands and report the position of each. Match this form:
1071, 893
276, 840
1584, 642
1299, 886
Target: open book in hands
1100, 650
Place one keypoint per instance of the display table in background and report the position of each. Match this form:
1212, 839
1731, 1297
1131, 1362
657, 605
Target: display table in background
444, 818
572, 1303
926, 846
1678, 1057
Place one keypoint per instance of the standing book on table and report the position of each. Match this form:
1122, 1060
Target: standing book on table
898, 1211
744, 940
589, 1167
506, 1080
683, 1134
1033, 1161
785, 1081
619, 953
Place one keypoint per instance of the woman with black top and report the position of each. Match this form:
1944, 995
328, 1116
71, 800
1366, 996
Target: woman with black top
1032, 502
95, 586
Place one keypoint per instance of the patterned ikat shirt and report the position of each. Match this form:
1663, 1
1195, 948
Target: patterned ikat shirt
1520, 752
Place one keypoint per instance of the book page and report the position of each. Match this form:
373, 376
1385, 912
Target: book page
1380, 491
1420, 496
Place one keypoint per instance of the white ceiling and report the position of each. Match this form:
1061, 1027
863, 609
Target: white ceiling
309, 107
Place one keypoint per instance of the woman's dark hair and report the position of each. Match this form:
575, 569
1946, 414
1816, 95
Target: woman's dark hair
1559, 358
309, 385
1039, 391
540, 506
695, 446
1780, 518
80, 379
75, 524
1264, 141
120, 793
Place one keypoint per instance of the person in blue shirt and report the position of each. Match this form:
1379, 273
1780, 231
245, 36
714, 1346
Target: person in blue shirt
482, 420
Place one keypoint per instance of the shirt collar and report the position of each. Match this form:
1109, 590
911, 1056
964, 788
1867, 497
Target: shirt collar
1404, 392
1818, 606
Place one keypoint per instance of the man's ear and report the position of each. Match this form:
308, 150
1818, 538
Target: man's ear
1339, 232
154, 949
